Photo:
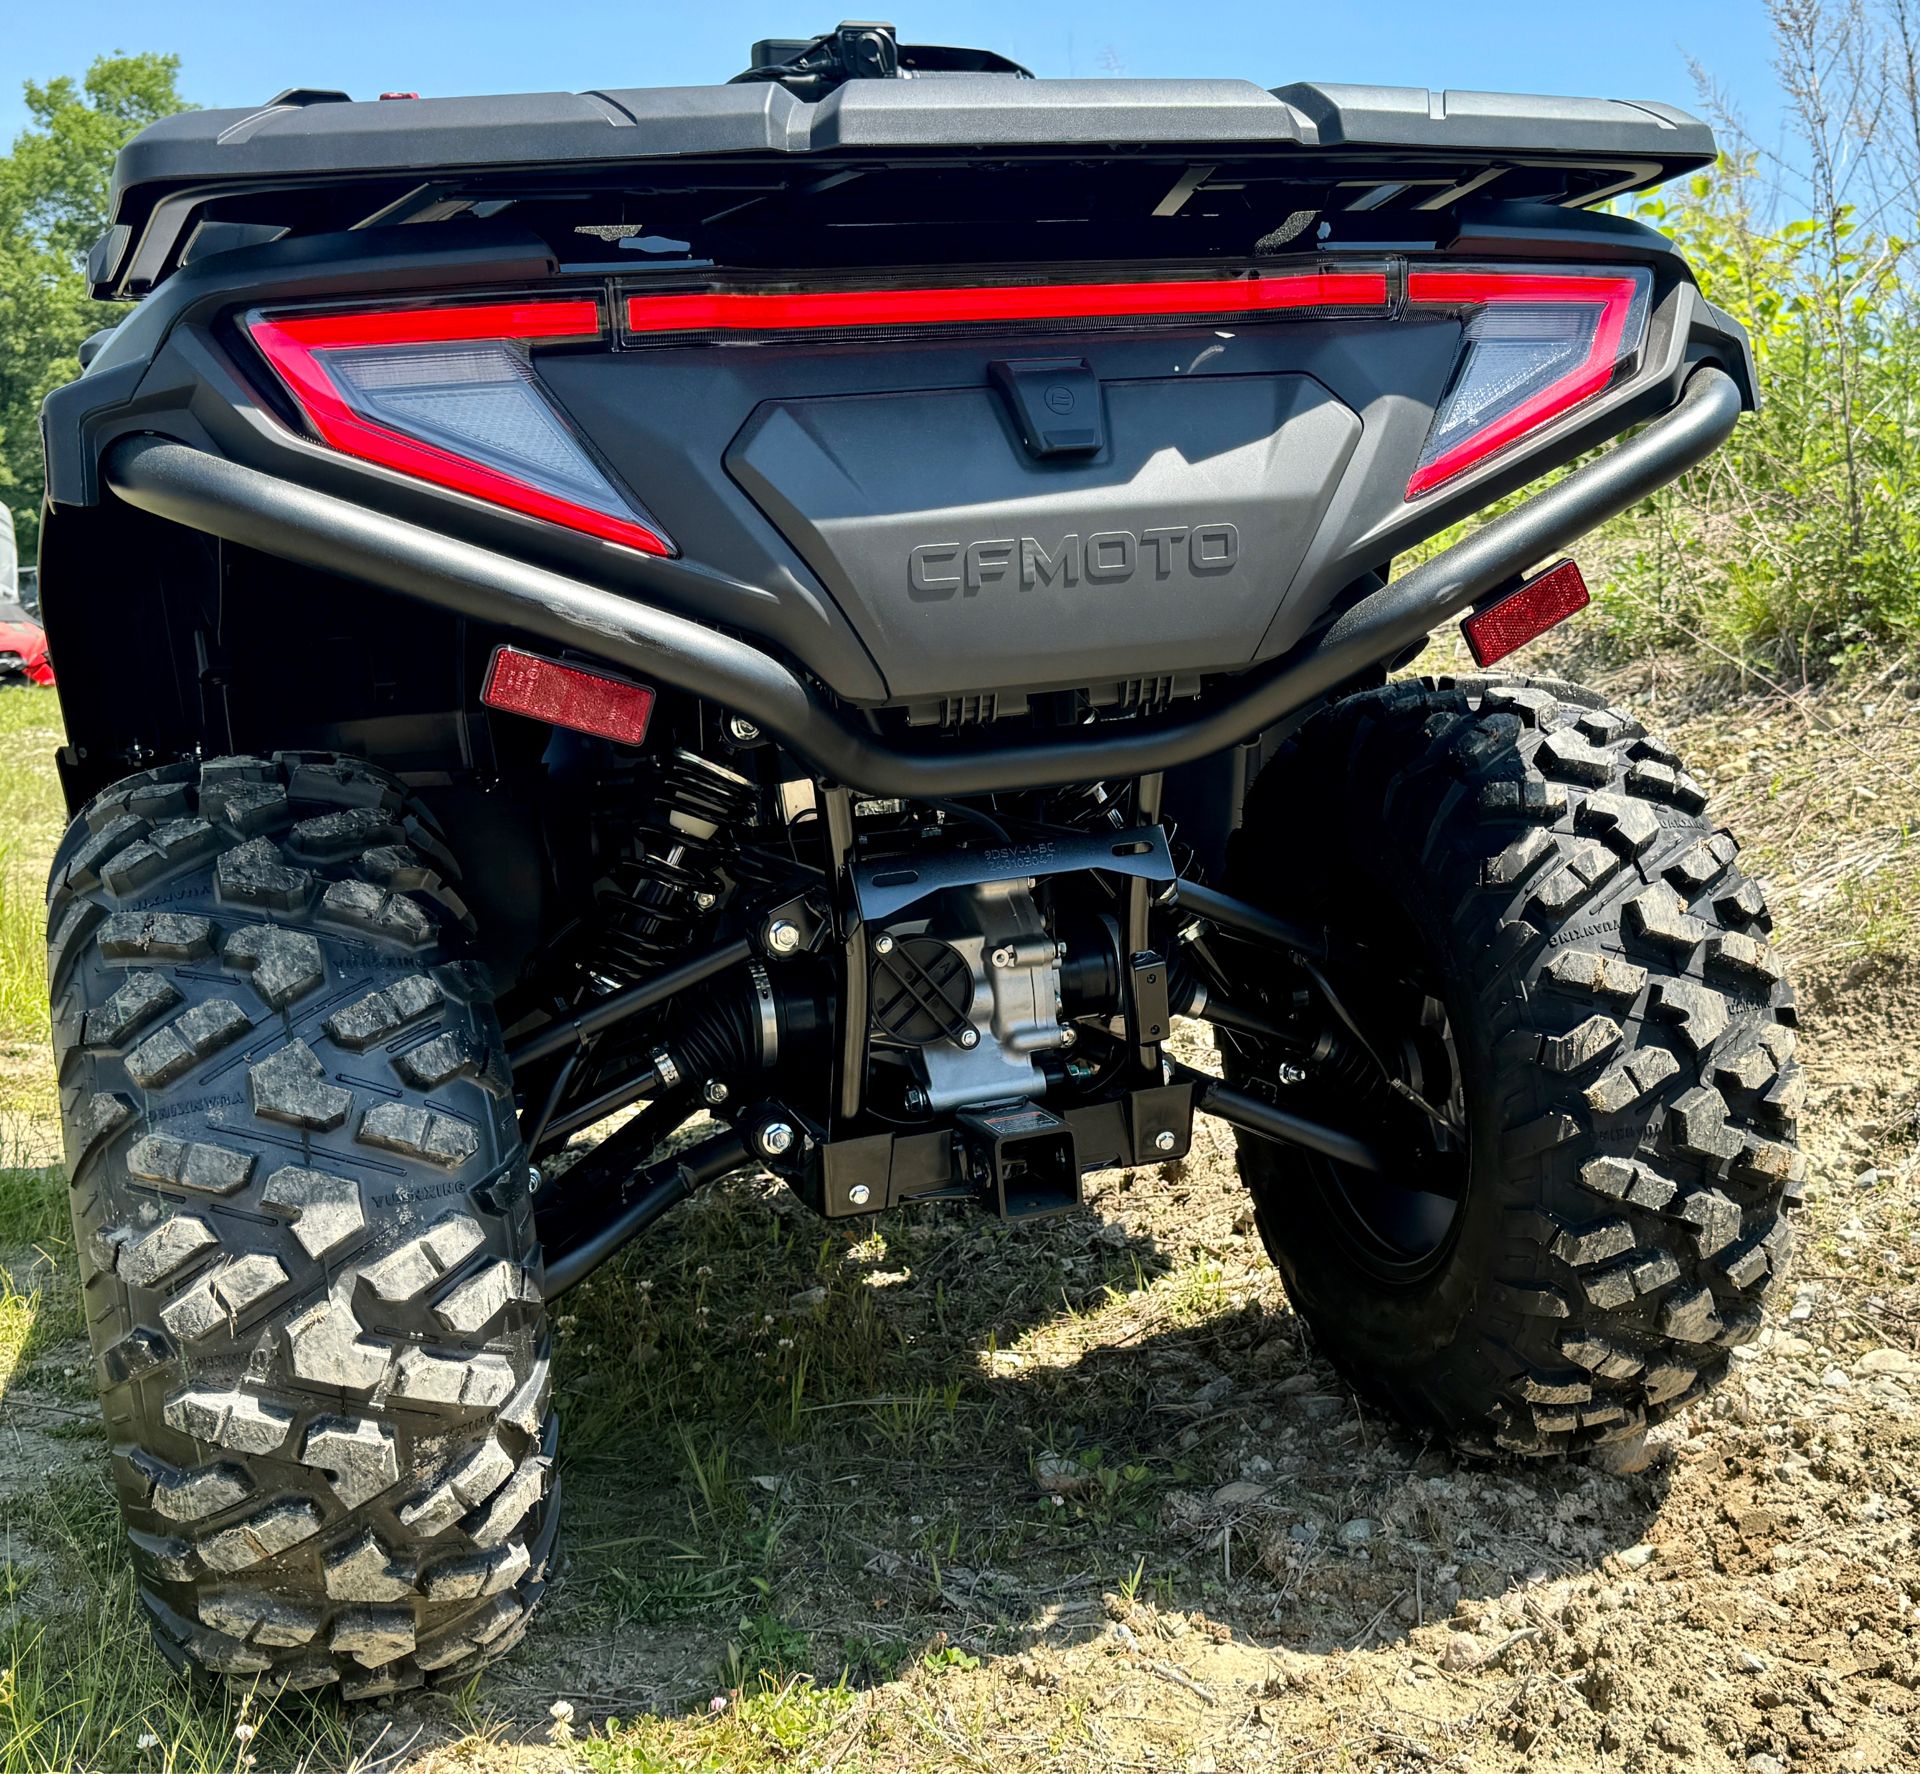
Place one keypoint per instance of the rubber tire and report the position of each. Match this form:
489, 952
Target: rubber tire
304, 1226
1625, 1042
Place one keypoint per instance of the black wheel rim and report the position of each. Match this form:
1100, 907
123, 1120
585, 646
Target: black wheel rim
1400, 1227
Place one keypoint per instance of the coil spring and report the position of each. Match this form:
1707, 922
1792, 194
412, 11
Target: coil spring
676, 859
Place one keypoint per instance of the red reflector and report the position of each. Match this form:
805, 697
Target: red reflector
565, 696
724, 311
1525, 613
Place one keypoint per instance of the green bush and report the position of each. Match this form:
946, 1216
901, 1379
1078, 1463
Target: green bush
1793, 545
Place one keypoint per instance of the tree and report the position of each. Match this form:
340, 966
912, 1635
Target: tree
53, 206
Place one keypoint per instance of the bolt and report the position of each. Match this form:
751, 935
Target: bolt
1288, 1073
1060, 951
1069, 1035
859, 1195
534, 1179
916, 1098
1164, 1140
705, 902
883, 945
1003, 957
715, 1091
783, 938
743, 730
969, 1037
776, 1137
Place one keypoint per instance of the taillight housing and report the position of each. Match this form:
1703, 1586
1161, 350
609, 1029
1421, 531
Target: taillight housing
1535, 344
448, 395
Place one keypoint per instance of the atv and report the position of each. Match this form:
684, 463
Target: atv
826, 612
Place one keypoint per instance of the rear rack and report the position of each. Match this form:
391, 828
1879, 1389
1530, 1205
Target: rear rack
1174, 167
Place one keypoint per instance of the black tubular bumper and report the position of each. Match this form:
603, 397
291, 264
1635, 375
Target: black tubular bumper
241, 505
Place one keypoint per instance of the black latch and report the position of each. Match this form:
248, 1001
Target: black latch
812, 67
1055, 403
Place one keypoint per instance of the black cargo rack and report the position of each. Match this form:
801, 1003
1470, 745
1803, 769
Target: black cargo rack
311, 162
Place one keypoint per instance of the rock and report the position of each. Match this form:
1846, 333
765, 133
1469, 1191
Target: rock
1060, 1476
1463, 1652
806, 1299
1358, 1532
1622, 1458
1836, 1378
1749, 1662
1899, 1364
1765, 1764
1241, 1491
1867, 1179
1633, 1558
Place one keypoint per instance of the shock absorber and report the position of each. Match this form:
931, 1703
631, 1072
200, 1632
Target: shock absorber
673, 872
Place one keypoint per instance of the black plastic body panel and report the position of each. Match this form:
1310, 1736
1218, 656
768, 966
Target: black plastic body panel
940, 535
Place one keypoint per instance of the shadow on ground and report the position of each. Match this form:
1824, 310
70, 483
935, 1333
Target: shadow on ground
795, 1447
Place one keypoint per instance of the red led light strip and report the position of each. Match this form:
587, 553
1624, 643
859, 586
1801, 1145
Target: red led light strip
290, 346
803, 310
1474, 289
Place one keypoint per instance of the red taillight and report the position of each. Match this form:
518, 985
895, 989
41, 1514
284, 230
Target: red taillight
565, 696
1534, 346
818, 310
1525, 613
448, 395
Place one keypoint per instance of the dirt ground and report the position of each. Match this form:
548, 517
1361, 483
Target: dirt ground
936, 1495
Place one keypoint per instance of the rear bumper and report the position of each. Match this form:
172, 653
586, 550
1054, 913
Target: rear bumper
241, 505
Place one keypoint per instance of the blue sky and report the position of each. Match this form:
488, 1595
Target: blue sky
238, 52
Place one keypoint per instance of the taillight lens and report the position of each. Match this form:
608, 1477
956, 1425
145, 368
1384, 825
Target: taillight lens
1310, 294
448, 395
1535, 345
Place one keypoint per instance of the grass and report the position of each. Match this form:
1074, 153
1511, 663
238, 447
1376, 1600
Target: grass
30, 731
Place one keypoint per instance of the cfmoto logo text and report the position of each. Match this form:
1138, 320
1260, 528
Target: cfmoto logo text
1107, 557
